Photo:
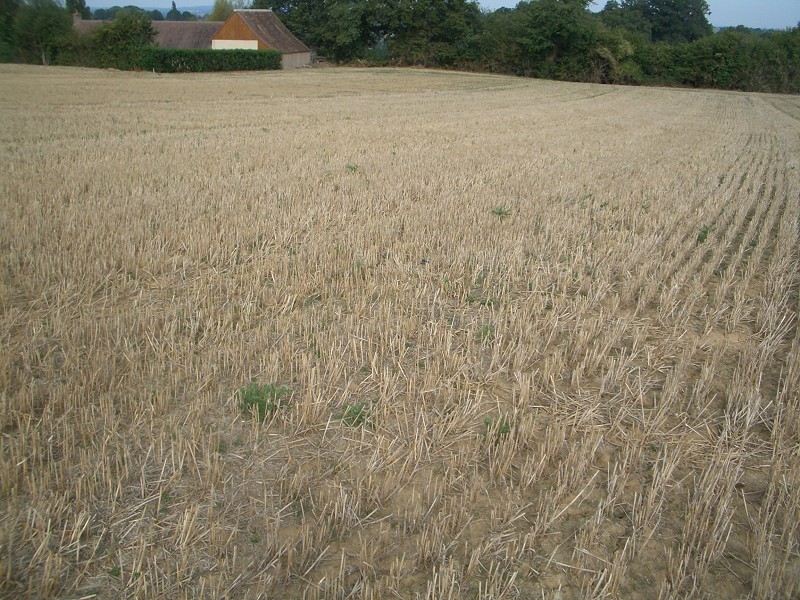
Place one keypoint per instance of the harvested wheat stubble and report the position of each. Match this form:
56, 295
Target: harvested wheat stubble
540, 338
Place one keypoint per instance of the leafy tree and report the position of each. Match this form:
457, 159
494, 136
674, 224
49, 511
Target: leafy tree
346, 30
788, 43
558, 37
109, 14
670, 21
38, 25
677, 21
629, 41
105, 14
174, 14
116, 42
436, 32
8, 12
77, 50
630, 15
131, 29
428, 32
611, 58
78, 6
495, 42
222, 10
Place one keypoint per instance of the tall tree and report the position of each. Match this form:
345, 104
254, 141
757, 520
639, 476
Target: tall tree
557, 37
8, 12
38, 25
433, 32
105, 14
630, 15
346, 30
221, 10
131, 29
496, 43
79, 7
678, 21
670, 21
174, 14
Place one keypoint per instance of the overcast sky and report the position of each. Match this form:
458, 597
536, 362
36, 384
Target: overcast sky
767, 14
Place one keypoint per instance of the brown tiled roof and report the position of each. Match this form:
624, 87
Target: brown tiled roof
185, 34
87, 26
268, 28
170, 34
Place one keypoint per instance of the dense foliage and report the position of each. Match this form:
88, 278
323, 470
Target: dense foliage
109, 14
8, 11
171, 60
175, 15
221, 10
734, 59
114, 44
671, 21
37, 27
665, 42
630, 41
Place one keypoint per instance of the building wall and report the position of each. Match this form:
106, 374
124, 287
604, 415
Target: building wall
235, 29
234, 44
295, 60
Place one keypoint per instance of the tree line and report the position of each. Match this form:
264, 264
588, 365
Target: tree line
665, 42
109, 14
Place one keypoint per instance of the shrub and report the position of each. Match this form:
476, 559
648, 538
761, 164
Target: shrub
170, 60
77, 50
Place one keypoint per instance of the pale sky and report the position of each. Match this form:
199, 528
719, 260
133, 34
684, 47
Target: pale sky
766, 14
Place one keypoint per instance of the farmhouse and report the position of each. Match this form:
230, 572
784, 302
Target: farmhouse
261, 30
244, 29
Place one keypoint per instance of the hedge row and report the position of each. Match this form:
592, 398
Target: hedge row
731, 60
170, 60
80, 51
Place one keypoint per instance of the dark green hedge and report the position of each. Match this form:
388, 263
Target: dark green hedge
169, 60
80, 51
729, 60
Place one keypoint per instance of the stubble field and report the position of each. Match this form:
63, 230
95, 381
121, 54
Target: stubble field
513, 338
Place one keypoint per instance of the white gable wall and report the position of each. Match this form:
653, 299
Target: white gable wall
234, 44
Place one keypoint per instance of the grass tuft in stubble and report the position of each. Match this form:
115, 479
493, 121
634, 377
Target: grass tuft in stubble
355, 415
262, 400
501, 212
